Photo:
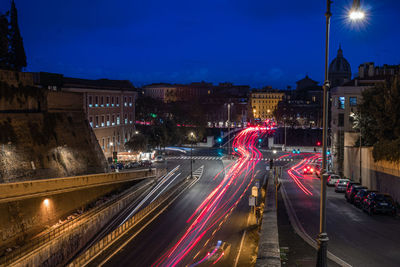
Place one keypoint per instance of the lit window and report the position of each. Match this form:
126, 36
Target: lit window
126, 118
108, 120
130, 101
90, 101
91, 121
107, 101
341, 103
118, 120
353, 101
117, 101
112, 101
113, 120
97, 121
102, 121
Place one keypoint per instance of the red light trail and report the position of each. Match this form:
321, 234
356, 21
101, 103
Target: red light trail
236, 179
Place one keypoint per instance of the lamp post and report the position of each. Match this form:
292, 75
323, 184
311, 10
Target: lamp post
192, 137
355, 14
229, 129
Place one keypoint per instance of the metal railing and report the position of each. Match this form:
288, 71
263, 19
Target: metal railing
97, 248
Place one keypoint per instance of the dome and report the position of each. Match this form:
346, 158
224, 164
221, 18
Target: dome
339, 70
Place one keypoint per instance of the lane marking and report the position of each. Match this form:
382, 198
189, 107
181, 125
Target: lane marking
241, 242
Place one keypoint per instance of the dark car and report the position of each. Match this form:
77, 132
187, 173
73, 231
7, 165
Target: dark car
360, 196
352, 191
145, 163
349, 184
379, 203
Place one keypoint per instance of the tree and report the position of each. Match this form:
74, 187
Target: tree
17, 56
3, 42
138, 142
380, 120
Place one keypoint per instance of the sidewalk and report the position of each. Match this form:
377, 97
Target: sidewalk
294, 250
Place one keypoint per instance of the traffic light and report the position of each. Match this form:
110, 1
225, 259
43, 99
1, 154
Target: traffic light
236, 150
260, 140
294, 151
298, 151
219, 139
318, 143
328, 152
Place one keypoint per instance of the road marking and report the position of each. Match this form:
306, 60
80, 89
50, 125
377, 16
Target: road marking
241, 242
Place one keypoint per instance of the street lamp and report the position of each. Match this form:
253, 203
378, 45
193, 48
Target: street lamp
192, 138
356, 14
229, 129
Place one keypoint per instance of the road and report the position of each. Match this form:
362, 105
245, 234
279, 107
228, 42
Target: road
354, 236
214, 209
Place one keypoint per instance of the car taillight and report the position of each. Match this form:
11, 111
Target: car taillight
305, 169
311, 170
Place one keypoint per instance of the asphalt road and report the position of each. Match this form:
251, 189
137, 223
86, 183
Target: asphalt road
175, 238
354, 236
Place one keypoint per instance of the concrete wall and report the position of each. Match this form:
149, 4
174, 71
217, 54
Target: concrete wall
45, 145
383, 176
64, 101
20, 220
27, 189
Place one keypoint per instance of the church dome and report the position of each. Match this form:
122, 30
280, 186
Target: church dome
339, 69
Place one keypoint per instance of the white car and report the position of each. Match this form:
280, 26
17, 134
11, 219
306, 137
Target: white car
332, 179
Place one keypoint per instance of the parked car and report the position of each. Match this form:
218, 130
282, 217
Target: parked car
352, 191
341, 185
332, 179
379, 203
360, 196
308, 170
349, 184
159, 159
132, 165
145, 163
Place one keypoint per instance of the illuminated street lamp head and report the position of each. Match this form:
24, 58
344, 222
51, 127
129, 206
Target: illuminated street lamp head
356, 13
111, 143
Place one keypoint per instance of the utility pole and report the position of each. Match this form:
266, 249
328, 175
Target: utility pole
229, 130
359, 125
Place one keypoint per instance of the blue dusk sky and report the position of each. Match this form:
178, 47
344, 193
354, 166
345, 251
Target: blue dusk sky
255, 42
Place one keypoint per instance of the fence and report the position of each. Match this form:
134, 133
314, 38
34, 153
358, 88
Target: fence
118, 232
89, 217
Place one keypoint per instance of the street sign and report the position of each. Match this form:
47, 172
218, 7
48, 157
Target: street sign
267, 168
252, 201
254, 191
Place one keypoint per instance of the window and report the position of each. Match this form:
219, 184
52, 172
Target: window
96, 101
117, 101
90, 101
341, 120
130, 119
112, 101
353, 101
107, 101
314, 99
91, 121
102, 121
341, 102
118, 119
108, 120
113, 120
125, 102
108, 142
97, 121
103, 144
126, 118
102, 101
130, 101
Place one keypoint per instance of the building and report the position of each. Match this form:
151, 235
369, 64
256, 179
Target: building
345, 99
339, 70
370, 71
169, 93
110, 109
302, 106
264, 102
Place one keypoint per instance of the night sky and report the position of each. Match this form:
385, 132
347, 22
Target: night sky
255, 42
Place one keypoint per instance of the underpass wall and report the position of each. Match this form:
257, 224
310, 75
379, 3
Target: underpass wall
58, 251
383, 176
23, 217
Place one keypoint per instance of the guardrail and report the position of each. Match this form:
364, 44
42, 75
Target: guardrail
42, 240
108, 240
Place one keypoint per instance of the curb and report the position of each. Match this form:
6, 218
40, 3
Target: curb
268, 246
298, 228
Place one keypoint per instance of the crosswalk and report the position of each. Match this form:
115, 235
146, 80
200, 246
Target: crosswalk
220, 158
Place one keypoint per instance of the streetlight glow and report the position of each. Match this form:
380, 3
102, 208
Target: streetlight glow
46, 202
356, 15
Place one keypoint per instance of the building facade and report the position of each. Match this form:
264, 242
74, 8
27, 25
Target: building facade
344, 106
169, 93
110, 109
263, 103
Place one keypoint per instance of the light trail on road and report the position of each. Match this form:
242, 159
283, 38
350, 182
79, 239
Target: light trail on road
236, 179
295, 173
